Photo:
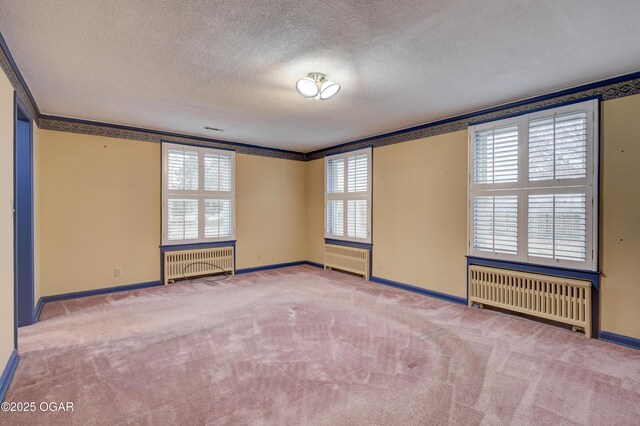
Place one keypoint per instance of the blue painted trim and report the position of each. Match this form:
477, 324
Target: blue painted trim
21, 106
173, 247
358, 148
269, 267
420, 290
196, 144
599, 186
39, 306
16, 70
7, 374
317, 265
97, 292
164, 133
544, 108
15, 250
589, 86
367, 246
619, 339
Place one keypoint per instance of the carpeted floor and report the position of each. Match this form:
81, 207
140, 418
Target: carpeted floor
305, 346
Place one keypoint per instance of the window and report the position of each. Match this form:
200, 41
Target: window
348, 196
198, 194
533, 185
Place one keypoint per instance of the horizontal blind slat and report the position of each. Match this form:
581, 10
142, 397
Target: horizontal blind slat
496, 155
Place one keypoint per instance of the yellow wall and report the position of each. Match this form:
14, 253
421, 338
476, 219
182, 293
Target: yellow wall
419, 212
6, 220
620, 216
315, 211
270, 211
100, 209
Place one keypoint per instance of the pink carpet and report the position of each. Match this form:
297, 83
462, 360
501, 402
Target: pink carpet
305, 346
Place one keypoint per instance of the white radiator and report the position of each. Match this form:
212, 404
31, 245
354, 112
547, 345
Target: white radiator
350, 259
199, 262
555, 298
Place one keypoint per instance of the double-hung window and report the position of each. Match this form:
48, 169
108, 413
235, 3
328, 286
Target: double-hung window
198, 194
348, 196
533, 187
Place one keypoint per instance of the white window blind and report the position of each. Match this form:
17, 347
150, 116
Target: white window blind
348, 196
198, 194
533, 187
495, 223
496, 151
558, 146
558, 226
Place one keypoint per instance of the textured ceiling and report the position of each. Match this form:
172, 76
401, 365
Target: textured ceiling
181, 65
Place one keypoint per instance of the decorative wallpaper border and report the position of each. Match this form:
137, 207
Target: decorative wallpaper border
605, 90
124, 132
612, 88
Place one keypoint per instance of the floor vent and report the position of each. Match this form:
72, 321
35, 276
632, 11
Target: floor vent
554, 298
349, 259
200, 262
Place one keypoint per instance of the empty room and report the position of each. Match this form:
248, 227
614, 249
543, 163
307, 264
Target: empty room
319, 212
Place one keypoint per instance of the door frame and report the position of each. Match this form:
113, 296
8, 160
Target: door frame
21, 109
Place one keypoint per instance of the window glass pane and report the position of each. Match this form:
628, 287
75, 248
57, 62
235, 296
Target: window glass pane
558, 226
357, 216
571, 227
335, 218
182, 219
541, 226
358, 173
495, 224
217, 172
182, 169
496, 155
335, 175
558, 147
217, 218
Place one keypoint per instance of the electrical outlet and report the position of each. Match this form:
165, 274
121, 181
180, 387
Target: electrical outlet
118, 271
259, 256
379, 265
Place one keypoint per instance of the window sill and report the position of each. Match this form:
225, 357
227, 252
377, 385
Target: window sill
347, 243
187, 246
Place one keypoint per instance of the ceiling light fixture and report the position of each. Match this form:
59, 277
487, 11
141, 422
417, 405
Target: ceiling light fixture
316, 86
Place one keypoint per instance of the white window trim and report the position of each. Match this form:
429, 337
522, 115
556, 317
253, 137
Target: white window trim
201, 194
346, 196
523, 187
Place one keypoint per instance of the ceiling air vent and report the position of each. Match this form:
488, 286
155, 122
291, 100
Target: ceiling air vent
213, 129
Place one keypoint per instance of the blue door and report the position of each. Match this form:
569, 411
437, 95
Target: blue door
23, 218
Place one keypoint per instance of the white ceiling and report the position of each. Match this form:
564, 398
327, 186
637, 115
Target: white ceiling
181, 65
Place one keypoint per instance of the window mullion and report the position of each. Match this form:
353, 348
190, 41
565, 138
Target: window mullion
201, 193
554, 148
523, 193
347, 196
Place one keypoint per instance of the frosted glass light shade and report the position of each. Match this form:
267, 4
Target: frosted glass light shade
328, 89
307, 87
